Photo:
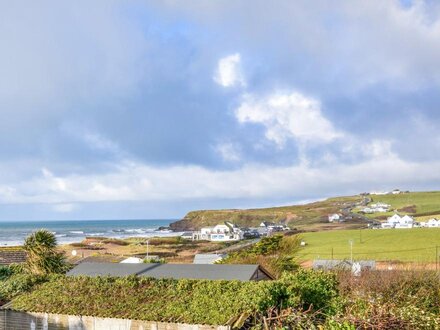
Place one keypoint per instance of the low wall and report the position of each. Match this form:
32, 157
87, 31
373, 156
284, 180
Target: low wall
12, 320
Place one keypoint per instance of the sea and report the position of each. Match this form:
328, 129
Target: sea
14, 233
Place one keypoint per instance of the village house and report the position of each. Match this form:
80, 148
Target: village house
271, 226
335, 217
431, 223
220, 233
398, 222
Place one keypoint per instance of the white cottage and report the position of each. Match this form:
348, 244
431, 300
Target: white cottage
334, 217
405, 222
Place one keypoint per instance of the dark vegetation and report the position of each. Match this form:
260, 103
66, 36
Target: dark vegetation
313, 215
298, 299
302, 300
275, 253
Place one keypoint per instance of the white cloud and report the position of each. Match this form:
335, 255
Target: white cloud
229, 72
229, 152
287, 115
64, 208
139, 182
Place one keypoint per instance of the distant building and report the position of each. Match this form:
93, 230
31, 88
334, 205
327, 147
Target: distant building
431, 223
220, 233
335, 217
207, 259
398, 222
327, 264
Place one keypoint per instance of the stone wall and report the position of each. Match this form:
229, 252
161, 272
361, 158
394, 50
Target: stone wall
12, 320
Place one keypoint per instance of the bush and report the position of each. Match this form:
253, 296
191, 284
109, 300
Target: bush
43, 258
275, 253
19, 283
5, 272
312, 290
186, 301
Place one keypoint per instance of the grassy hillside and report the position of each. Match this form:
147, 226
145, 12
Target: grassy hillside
421, 205
416, 244
310, 216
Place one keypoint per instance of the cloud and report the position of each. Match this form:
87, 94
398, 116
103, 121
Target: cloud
229, 72
287, 115
139, 182
229, 152
64, 208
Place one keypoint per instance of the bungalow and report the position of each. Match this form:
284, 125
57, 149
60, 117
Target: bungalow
175, 271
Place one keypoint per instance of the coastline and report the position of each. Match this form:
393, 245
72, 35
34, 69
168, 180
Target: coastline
67, 232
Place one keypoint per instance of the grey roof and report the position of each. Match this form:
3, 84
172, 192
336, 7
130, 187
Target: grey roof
176, 271
342, 264
207, 258
12, 256
108, 269
208, 272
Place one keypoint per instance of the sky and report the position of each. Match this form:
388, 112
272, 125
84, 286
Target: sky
150, 109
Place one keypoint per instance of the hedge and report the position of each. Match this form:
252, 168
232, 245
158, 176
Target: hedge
183, 301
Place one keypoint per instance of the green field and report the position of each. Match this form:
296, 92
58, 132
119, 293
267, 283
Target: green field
425, 202
417, 245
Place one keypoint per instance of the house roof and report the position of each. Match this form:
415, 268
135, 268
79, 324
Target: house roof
176, 271
207, 258
341, 264
12, 256
108, 269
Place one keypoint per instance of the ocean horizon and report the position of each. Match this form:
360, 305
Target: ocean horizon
13, 233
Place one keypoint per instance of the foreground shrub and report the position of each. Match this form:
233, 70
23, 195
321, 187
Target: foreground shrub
312, 290
188, 301
275, 253
19, 283
43, 257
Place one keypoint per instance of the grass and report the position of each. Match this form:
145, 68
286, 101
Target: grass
425, 202
312, 215
408, 245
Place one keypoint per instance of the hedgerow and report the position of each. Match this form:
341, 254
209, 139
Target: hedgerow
187, 301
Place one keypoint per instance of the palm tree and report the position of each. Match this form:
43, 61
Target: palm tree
43, 257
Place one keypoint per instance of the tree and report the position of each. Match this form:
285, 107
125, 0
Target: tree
42, 255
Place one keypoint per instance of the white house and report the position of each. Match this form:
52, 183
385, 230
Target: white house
405, 222
431, 223
221, 233
396, 221
334, 217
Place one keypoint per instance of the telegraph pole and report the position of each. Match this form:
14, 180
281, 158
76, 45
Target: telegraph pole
436, 258
351, 250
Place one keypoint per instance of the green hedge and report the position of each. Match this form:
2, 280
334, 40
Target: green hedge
186, 301
183, 301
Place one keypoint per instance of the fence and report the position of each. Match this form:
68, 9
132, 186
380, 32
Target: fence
12, 320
